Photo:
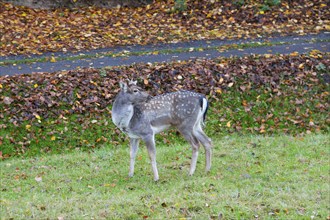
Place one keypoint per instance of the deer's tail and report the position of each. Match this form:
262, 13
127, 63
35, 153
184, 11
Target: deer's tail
204, 106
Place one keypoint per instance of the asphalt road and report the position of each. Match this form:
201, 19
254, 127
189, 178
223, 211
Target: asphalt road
288, 44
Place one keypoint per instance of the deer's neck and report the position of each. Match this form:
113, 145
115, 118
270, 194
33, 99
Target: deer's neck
122, 114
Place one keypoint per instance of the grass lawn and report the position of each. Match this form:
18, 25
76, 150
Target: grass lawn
253, 177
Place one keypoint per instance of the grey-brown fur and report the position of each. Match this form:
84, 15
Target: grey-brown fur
141, 116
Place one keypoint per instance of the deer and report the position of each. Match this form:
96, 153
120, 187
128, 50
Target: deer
141, 116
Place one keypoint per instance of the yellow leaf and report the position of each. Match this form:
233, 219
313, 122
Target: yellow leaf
27, 127
94, 83
262, 129
52, 59
231, 19
294, 54
78, 96
228, 124
117, 24
1, 86
37, 116
35, 85
261, 12
53, 138
230, 84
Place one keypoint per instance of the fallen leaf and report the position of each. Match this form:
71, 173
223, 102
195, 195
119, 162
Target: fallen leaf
53, 59
7, 100
38, 178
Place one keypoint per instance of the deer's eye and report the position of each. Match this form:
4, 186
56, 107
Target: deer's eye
135, 90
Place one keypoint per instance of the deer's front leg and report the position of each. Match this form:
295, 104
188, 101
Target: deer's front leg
134, 146
150, 143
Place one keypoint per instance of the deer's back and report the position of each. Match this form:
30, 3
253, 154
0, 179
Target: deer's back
173, 106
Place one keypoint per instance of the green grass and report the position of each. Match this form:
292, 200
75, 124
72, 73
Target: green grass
280, 177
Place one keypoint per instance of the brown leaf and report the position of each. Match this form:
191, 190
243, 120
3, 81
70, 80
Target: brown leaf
7, 100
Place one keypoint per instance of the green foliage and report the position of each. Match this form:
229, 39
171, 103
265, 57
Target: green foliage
103, 73
265, 5
321, 67
272, 2
239, 3
180, 5
268, 4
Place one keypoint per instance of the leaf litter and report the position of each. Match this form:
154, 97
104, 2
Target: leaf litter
35, 31
254, 94
64, 93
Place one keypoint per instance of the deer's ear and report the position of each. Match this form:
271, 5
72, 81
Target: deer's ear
132, 82
123, 86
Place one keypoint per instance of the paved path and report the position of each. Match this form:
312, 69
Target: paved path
289, 44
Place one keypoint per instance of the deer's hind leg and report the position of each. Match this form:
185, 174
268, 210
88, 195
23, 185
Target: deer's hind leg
193, 141
207, 144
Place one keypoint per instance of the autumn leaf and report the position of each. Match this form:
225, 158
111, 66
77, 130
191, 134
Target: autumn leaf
38, 178
218, 90
53, 59
37, 116
230, 84
294, 54
7, 100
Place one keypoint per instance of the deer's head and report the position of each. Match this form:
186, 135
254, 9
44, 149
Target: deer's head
133, 93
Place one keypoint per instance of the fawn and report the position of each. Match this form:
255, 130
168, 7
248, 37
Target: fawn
141, 116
